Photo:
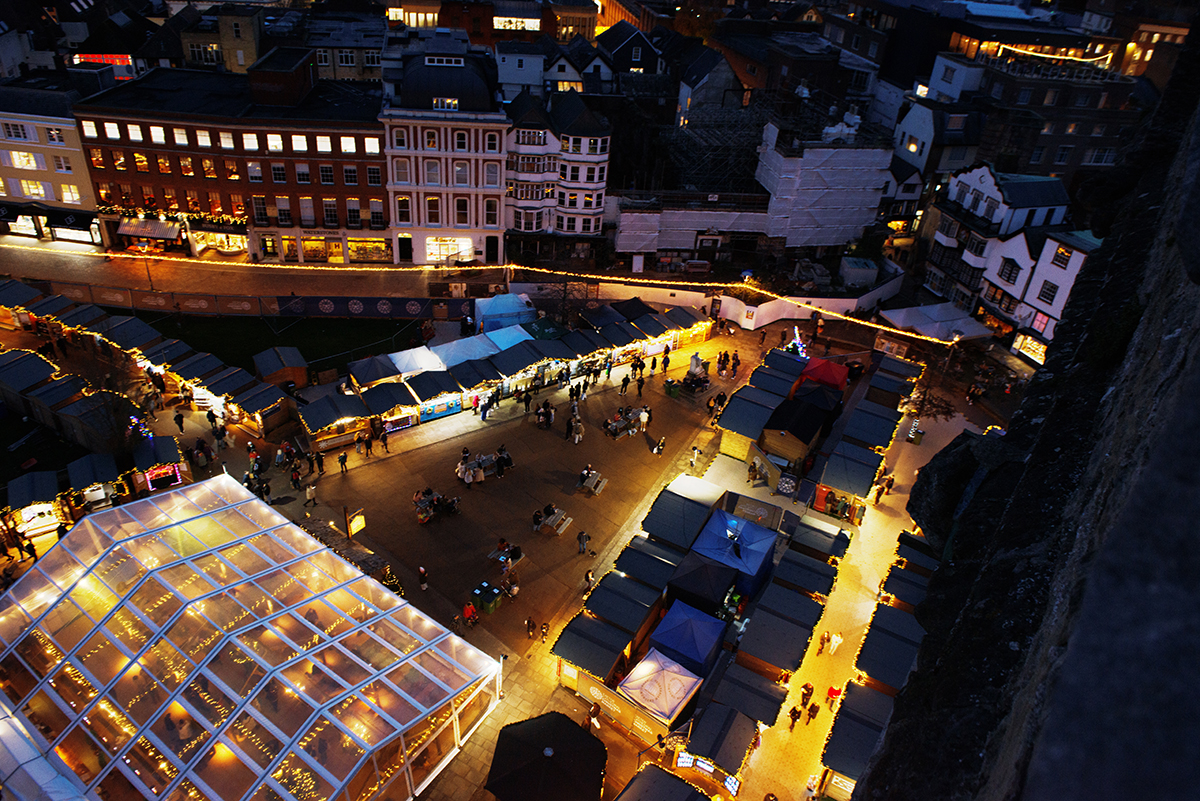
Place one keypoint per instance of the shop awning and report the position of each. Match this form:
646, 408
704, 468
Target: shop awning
95, 468
9, 212
652, 563
675, 520
68, 218
475, 373
889, 651
40, 486
805, 572
384, 398
591, 645
14, 293
432, 384
860, 721
149, 229
621, 601
751, 694
259, 398
155, 451
723, 735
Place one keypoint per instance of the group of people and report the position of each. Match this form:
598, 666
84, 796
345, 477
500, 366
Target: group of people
429, 503
471, 470
727, 366
616, 425
490, 402
364, 442
542, 515
716, 404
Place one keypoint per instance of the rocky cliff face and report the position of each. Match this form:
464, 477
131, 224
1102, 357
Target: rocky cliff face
1023, 525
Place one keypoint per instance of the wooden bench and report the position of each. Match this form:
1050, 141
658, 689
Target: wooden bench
555, 519
564, 525
594, 484
600, 485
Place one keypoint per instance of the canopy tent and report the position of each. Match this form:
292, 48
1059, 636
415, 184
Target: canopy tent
373, 370
660, 686
591, 645
601, 316
13, 293
889, 651
198, 367
744, 546
831, 374
431, 385
547, 758
544, 328
748, 411
465, 350
80, 315
49, 306
553, 349
675, 520
901, 367
517, 359
126, 333
153, 451
37, 486
753, 695
505, 338
906, 585
787, 363
95, 468
857, 730
652, 783
167, 352
774, 381
622, 601
229, 382
21, 370
475, 373
696, 489
817, 540
689, 637
331, 409
701, 582
724, 735
502, 311
259, 397
633, 308
806, 573
385, 398
849, 475
621, 334
686, 316
944, 321
650, 562
869, 429
585, 342
415, 360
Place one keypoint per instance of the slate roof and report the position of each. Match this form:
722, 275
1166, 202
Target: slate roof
572, 117
1031, 191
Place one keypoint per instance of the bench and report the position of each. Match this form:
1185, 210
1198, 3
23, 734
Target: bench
555, 519
564, 525
600, 485
593, 484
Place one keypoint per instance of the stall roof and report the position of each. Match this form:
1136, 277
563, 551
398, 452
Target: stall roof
416, 360
58, 390
748, 411
585, 342
126, 333
701, 582
372, 370
660, 685
553, 349
621, 601
197, 367
505, 338
799, 418
652, 783
633, 308
500, 309
690, 637
95, 468
892, 384
230, 382
745, 546
774, 381
591, 645
696, 489
329, 409
621, 334
791, 605
805, 572
751, 694
39, 486
259, 397
49, 306
20, 369
601, 316
789, 363
943, 321
383, 398
831, 374
515, 360
848, 475
870, 429
860, 721
465, 350
80, 315
272, 360
901, 367
101, 410
13, 293
818, 540
686, 316
886, 655
544, 328
432, 384
153, 451
654, 325
879, 410
675, 520
648, 561
859, 454
167, 352
475, 373
818, 395
906, 585
916, 557
722, 734
777, 641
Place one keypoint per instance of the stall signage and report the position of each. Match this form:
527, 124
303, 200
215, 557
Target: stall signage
358, 521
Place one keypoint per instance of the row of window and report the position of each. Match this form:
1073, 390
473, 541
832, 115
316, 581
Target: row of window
23, 132
406, 212
970, 199
347, 58
1073, 128
230, 169
433, 173
227, 140
431, 139
1092, 156
573, 173
592, 146
1007, 303
23, 160
532, 221
39, 190
167, 199
263, 209
573, 200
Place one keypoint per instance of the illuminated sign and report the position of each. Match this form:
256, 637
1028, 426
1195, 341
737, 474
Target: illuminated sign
684, 760
358, 521
732, 784
704, 765
516, 24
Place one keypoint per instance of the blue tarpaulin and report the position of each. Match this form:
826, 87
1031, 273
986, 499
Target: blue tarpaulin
747, 547
690, 637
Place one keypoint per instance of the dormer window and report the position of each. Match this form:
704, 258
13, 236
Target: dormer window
445, 103
443, 61
955, 122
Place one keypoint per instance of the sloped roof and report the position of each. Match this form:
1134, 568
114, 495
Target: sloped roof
329, 409
572, 117
382, 398
771, 380
799, 418
622, 601
164, 353
675, 519
505, 338
432, 384
633, 308
14, 293
512, 361
649, 561
1031, 191
474, 373
416, 359
92, 469
891, 646
751, 694
470, 84
723, 735
544, 328
38, 486
702, 582
601, 316
689, 637
153, 451
49, 306
20, 370
652, 783
785, 362
748, 411
259, 397
860, 721
197, 366
463, 350
80, 315
591, 644
805, 572
617, 35
230, 382
901, 170
585, 341
274, 359
686, 316
906, 585
660, 685
125, 332
58, 390
870, 429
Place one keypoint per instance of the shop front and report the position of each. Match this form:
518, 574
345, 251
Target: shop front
439, 394
47, 222
392, 406
158, 466
33, 507
840, 504
147, 236
1030, 345
228, 239
18, 218
443, 251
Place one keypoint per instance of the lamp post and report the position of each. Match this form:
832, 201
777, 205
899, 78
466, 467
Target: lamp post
145, 246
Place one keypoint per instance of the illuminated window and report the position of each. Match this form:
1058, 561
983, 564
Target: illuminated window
181, 137
164, 165
1062, 256
70, 194
254, 172
135, 132
141, 162
433, 211
185, 166
97, 158
231, 170
348, 145
299, 143
250, 141
445, 103
210, 168
89, 129
324, 144
1040, 322
24, 161
33, 189
158, 135
431, 140
226, 140
118, 159
203, 139
111, 130
214, 203
370, 144
274, 143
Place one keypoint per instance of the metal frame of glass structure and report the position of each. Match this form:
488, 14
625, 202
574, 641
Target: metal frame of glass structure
198, 646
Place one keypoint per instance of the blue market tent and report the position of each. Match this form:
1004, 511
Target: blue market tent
329, 409
39, 486
785, 362
805, 572
372, 370
167, 352
384, 398
675, 520
751, 694
622, 601
861, 719
591, 645
585, 342
890, 649
154, 451
433, 384
701, 582
722, 734
689, 637
744, 546
95, 468
502, 311
465, 350
475, 373
601, 316
650, 562
507, 337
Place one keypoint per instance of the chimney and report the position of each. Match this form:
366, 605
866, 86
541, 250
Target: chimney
283, 77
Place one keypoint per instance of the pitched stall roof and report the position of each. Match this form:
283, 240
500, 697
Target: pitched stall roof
20, 370
544, 328
372, 370
723, 735
329, 409
198, 367
432, 384
800, 419
590, 644
414, 360
259, 397
230, 382
38, 486
58, 390
675, 520
748, 411
465, 350
774, 381
585, 342
13, 293
515, 360
633, 308
652, 783
126, 333
857, 729
475, 373
650, 562
871, 430
505, 338
816, 540
622, 601
805, 573
788, 363
95, 468
601, 316
167, 352
49, 306
686, 316
701, 582
553, 349
751, 694
622, 334
660, 686
272, 360
890, 649
384, 398
906, 585
80, 315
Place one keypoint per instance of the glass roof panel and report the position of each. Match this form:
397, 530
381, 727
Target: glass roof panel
365, 722
151, 551
177, 506
86, 541
180, 541
282, 707
228, 488
67, 624
119, 570
396, 637
151, 766
424, 627
167, 664
109, 725
61, 567
128, 629
39, 652
116, 523
245, 559
186, 791
339, 661
262, 515
208, 699
203, 496
324, 618
13, 620
138, 693
235, 522
218, 570
370, 650
180, 732
313, 679
224, 610
351, 606
73, 687
393, 704
315, 580
101, 657
376, 594
259, 603
93, 597
236, 669
283, 586
417, 686
209, 531
332, 748
294, 537
442, 669
155, 600
252, 737
341, 570
186, 581
193, 633
147, 514
267, 643
272, 548
301, 635
226, 776
35, 593
471, 658
297, 775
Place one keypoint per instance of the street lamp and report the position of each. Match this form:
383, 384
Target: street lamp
145, 246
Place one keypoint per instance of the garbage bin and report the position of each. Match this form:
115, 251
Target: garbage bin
491, 600
917, 436
673, 389
478, 598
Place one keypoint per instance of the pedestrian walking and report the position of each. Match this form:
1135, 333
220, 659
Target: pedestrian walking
624, 389
641, 383
475, 404
528, 400
212, 418
583, 539
834, 642
608, 370
653, 365
712, 407
310, 494
695, 454
588, 578
888, 483
545, 631
530, 627
342, 460
660, 447
383, 438
320, 463
833, 694
296, 478
751, 474
879, 488
578, 431
266, 490
825, 637
794, 714
179, 421
762, 340
812, 714
369, 444
643, 417
806, 694
31, 549
423, 577
358, 443
666, 360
